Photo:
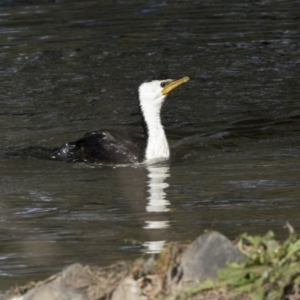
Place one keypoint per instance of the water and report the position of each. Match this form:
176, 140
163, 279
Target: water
68, 67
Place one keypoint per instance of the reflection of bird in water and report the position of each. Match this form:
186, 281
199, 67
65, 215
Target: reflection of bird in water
123, 148
157, 185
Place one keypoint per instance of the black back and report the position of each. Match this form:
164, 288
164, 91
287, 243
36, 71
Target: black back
116, 147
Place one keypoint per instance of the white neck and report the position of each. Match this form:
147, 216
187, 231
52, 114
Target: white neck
157, 145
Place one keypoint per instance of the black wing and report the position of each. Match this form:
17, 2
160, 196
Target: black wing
103, 147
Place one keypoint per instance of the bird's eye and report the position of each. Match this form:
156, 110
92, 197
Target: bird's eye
163, 84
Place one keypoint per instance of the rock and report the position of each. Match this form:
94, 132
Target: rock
206, 255
202, 260
75, 282
127, 290
149, 266
76, 277
52, 291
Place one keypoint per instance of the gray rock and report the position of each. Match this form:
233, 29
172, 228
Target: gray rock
52, 291
149, 266
202, 260
127, 290
206, 255
76, 277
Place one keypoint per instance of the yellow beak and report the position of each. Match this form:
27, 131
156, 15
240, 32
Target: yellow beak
174, 84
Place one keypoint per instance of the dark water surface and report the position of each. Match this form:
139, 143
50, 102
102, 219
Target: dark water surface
68, 67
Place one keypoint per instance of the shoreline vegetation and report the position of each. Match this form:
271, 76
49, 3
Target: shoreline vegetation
212, 267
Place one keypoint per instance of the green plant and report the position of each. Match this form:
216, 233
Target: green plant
271, 269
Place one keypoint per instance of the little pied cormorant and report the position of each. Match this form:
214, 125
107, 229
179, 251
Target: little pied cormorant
120, 147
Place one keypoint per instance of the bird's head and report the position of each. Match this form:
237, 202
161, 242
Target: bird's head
153, 93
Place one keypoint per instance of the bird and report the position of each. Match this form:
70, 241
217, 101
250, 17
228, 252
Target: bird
119, 147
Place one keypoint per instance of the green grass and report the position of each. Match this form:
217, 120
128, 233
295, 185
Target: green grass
271, 270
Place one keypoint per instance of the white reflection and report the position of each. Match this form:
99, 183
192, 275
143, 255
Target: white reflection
157, 203
156, 224
154, 247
